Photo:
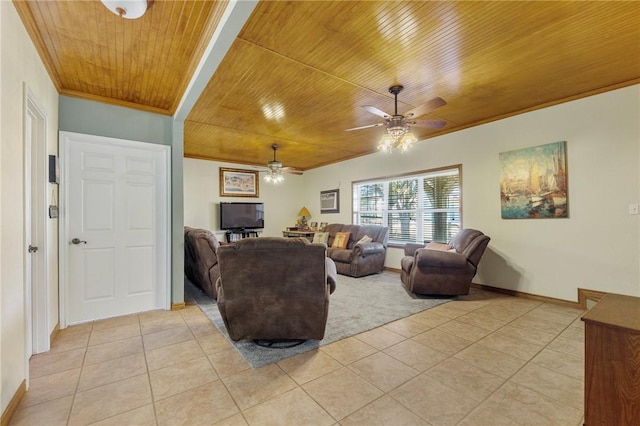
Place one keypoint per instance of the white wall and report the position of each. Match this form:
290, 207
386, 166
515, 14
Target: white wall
597, 247
19, 62
202, 198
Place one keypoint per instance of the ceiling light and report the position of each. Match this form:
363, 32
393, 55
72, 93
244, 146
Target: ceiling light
274, 176
400, 137
130, 9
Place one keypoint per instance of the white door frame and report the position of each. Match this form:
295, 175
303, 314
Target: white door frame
36, 291
164, 266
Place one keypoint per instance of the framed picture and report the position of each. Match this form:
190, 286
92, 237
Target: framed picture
314, 226
239, 183
323, 226
533, 182
330, 201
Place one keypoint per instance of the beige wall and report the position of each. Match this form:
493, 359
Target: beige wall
597, 247
19, 63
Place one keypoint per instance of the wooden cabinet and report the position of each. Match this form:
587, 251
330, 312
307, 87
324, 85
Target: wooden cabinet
612, 362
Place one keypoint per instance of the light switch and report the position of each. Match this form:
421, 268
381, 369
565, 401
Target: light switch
633, 208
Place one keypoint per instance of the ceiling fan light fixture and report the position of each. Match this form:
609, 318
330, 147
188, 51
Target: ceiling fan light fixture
129, 9
407, 141
274, 177
386, 143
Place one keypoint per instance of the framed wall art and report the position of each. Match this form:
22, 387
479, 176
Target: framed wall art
330, 201
533, 182
239, 183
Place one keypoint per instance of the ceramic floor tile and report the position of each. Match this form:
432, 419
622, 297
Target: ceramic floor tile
531, 335
167, 337
173, 354
433, 401
228, 362
204, 405
50, 413
309, 365
341, 392
524, 405
465, 379
463, 330
551, 384
491, 360
561, 363
482, 320
251, 387
291, 408
106, 401
68, 342
235, 420
181, 377
574, 332
203, 329
116, 322
469, 304
154, 321
54, 386
415, 355
380, 338
449, 310
50, 363
567, 346
441, 341
383, 371
143, 416
113, 334
114, 370
112, 350
214, 342
486, 416
511, 345
348, 350
529, 321
429, 318
557, 313
407, 327
384, 411
74, 329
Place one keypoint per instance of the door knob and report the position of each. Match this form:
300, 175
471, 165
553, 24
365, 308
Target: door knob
32, 249
78, 241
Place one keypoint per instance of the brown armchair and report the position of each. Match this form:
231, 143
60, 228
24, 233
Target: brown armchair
200, 259
274, 288
443, 269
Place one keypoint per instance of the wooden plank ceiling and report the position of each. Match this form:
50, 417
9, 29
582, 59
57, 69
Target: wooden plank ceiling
299, 72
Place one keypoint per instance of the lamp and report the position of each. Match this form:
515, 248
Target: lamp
399, 136
130, 9
304, 212
274, 176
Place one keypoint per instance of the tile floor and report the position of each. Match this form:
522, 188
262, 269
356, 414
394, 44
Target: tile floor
483, 359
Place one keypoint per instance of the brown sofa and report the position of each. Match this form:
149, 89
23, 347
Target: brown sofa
443, 269
200, 259
358, 259
273, 288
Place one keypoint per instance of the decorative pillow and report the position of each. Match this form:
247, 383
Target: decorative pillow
341, 240
438, 246
321, 237
365, 239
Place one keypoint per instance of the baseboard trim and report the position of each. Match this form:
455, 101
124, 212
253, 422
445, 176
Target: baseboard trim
386, 268
584, 295
54, 333
178, 306
529, 296
13, 404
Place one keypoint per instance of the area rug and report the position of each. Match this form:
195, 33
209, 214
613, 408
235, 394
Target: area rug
357, 305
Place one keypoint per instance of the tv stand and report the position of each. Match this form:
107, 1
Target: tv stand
234, 235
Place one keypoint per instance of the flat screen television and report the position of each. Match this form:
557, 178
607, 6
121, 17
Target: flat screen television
241, 215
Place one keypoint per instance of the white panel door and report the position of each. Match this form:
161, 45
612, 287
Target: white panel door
116, 227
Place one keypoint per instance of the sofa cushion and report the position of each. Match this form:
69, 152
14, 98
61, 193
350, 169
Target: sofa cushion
340, 255
438, 246
341, 240
365, 239
321, 237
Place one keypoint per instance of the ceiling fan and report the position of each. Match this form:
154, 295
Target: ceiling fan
398, 126
274, 169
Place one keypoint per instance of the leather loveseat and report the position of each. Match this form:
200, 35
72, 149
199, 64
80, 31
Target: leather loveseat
200, 259
358, 258
274, 288
443, 269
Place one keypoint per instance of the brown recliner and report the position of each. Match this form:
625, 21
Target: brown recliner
274, 288
200, 259
443, 269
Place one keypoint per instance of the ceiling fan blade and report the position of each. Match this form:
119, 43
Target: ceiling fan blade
425, 108
434, 124
376, 111
291, 171
365, 127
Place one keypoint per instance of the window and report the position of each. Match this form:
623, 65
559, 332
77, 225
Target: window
417, 208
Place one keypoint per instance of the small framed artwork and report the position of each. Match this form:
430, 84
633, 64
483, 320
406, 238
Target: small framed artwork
330, 201
314, 226
239, 183
323, 226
